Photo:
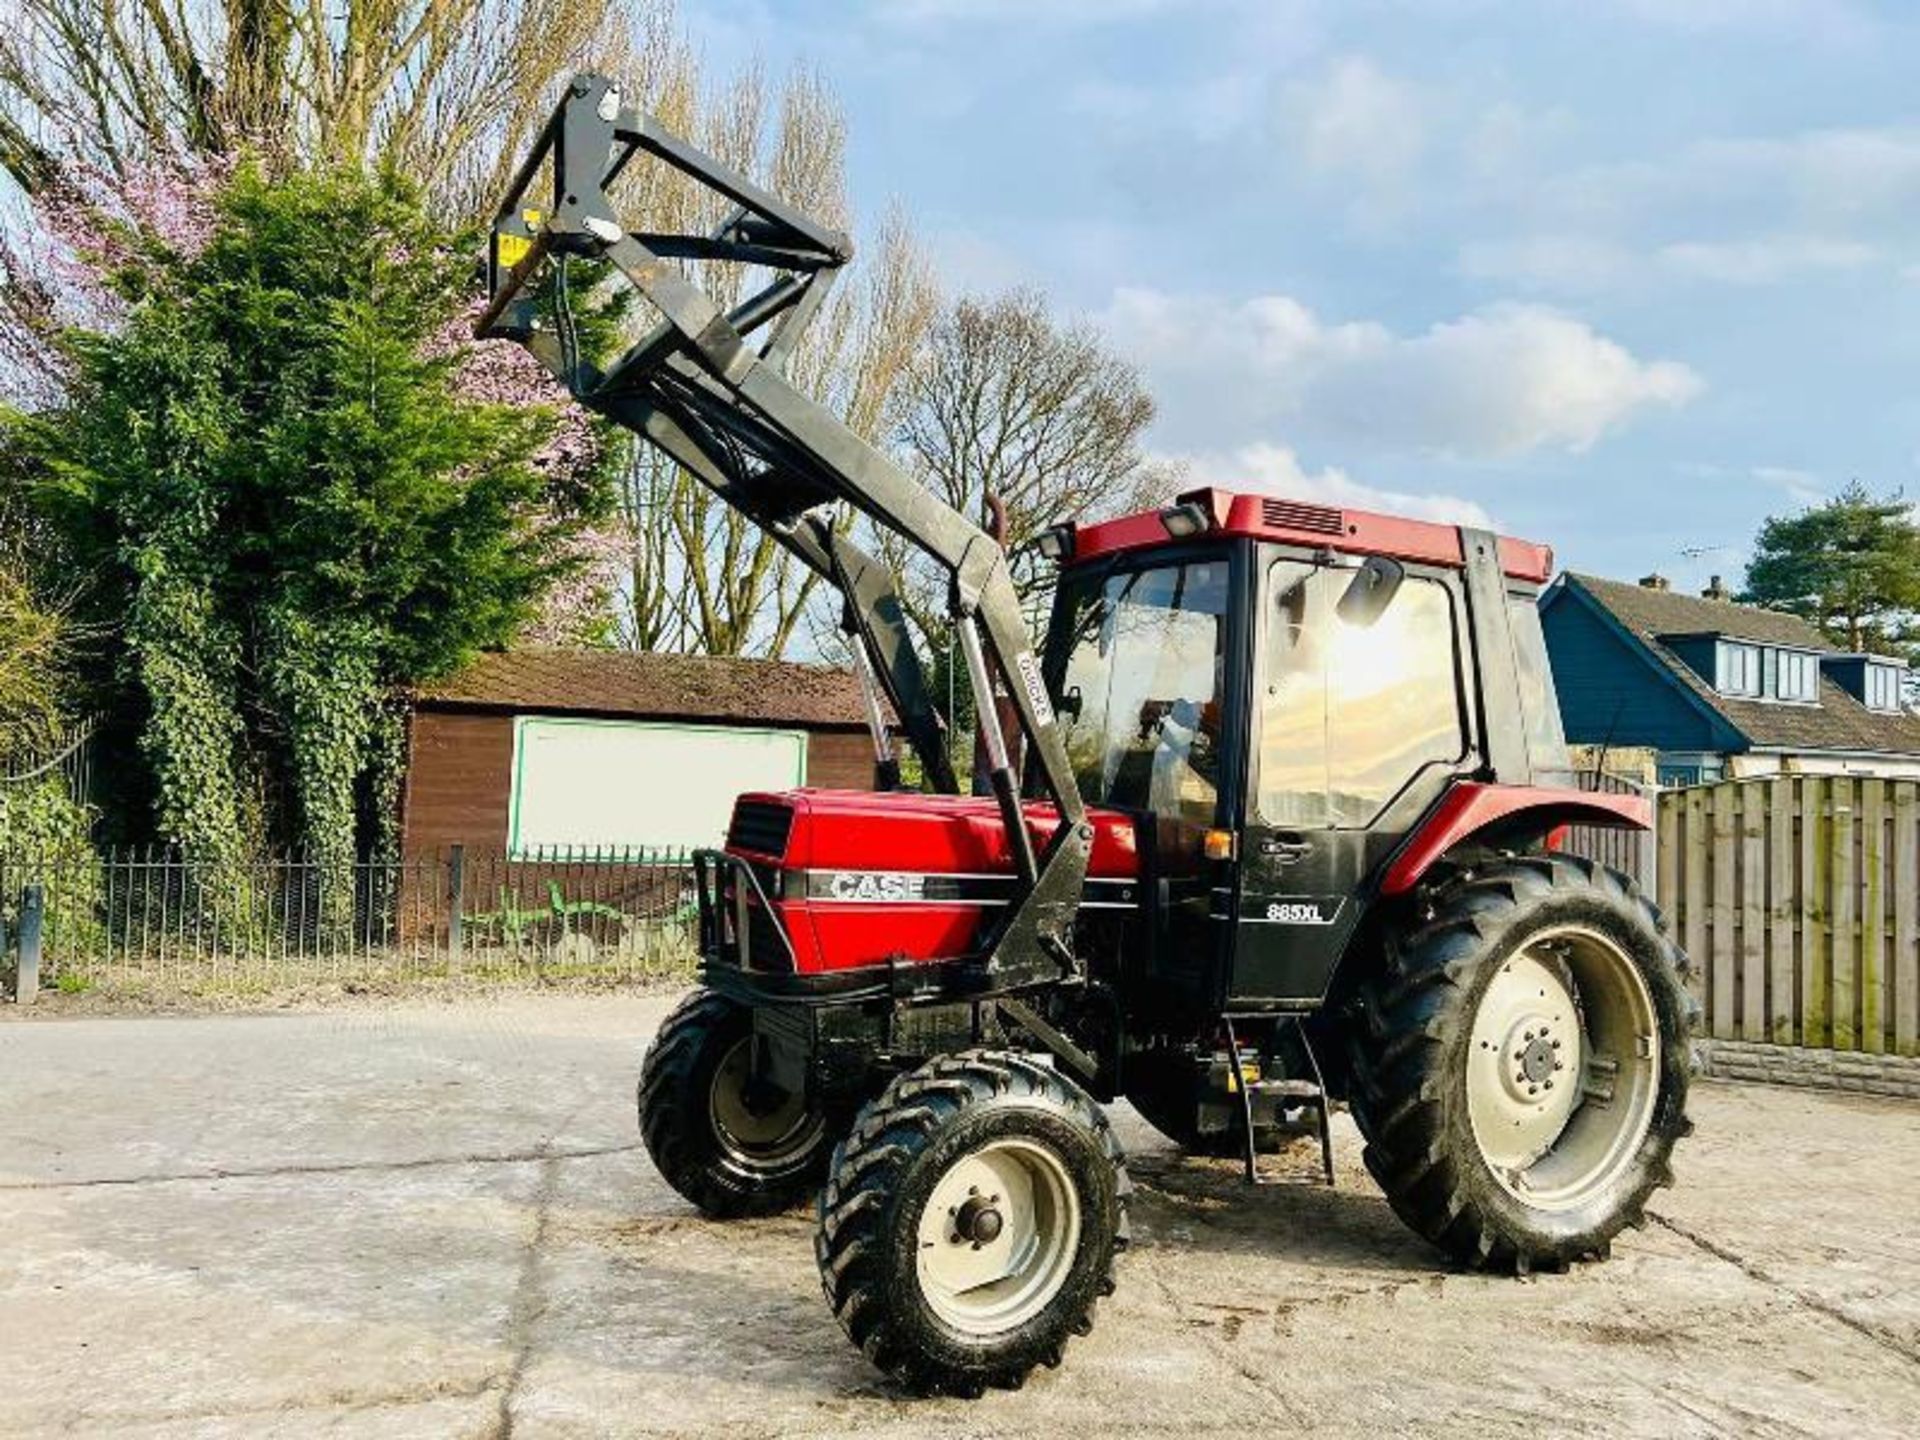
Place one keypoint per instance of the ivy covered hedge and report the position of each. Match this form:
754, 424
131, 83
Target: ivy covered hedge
45, 839
289, 506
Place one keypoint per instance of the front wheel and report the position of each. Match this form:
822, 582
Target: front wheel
1522, 1066
726, 1137
971, 1221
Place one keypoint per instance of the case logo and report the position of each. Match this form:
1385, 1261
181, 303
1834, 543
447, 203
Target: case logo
876, 885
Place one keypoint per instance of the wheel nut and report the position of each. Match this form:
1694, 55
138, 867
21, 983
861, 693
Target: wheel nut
1533, 1089
1548, 1084
1556, 1044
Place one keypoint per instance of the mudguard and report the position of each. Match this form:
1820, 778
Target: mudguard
1472, 806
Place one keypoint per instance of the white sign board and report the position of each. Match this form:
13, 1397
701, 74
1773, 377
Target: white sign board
629, 785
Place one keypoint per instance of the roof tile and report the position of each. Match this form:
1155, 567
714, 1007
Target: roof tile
657, 686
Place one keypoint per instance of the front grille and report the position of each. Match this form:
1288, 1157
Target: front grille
1296, 515
766, 945
760, 827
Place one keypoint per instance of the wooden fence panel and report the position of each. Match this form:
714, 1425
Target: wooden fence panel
1903, 970
1752, 889
1690, 901
1842, 937
1723, 864
1815, 844
1798, 898
1873, 913
1781, 842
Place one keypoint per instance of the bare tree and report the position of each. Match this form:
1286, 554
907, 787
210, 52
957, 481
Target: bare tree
1005, 401
445, 90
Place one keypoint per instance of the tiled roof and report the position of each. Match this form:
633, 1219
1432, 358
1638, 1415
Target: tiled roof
1838, 722
1646, 611
665, 687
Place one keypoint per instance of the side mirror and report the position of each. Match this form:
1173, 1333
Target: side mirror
1370, 591
1070, 705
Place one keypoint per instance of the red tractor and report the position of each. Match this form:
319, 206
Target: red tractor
1285, 837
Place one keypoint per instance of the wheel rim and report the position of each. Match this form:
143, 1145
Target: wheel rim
760, 1127
998, 1237
1563, 1068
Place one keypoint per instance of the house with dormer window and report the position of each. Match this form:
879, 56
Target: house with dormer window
1720, 690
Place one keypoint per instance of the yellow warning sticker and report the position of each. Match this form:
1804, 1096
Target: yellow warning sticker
509, 250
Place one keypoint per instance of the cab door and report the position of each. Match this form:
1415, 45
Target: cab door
1354, 731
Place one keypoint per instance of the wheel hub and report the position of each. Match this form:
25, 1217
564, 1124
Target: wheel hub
1534, 1052
1562, 1014
1526, 1043
998, 1236
976, 1222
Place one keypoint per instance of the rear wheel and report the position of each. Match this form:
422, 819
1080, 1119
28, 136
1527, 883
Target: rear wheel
1521, 1074
971, 1222
726, 1138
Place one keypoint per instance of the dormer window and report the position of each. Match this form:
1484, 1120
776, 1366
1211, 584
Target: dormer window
1882, 687
1747, 670
1797, 677
1737, 669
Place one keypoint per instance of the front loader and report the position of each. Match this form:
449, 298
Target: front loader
1293, 775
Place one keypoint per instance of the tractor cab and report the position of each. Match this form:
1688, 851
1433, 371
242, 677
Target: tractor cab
1280, 693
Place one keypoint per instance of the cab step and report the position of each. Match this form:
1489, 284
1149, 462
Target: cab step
1312, 1095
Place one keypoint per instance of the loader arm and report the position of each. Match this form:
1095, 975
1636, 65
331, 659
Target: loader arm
709, 388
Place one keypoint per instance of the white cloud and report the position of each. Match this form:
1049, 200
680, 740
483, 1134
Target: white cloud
1212, 110
1276, 470
1764, 259
1802, 486
1832, 19
1815, 182
1568, 264
1589, 264
1357, 120
1500, 381
1732, 211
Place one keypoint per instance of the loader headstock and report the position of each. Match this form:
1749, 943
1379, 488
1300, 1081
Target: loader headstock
565, 199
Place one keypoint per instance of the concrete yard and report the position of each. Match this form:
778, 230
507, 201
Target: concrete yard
436, 1220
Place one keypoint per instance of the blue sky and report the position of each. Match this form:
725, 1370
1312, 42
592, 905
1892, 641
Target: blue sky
1626, 276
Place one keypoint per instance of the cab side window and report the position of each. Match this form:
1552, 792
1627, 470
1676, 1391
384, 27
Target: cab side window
1350, 714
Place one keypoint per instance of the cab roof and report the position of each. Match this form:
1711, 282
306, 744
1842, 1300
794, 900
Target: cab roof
1213, 511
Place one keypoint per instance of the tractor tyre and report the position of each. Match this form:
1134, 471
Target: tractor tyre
729, 1142
1520, 1063
971, 1221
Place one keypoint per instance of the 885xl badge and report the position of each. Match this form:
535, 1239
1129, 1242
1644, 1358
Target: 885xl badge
1297, 910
